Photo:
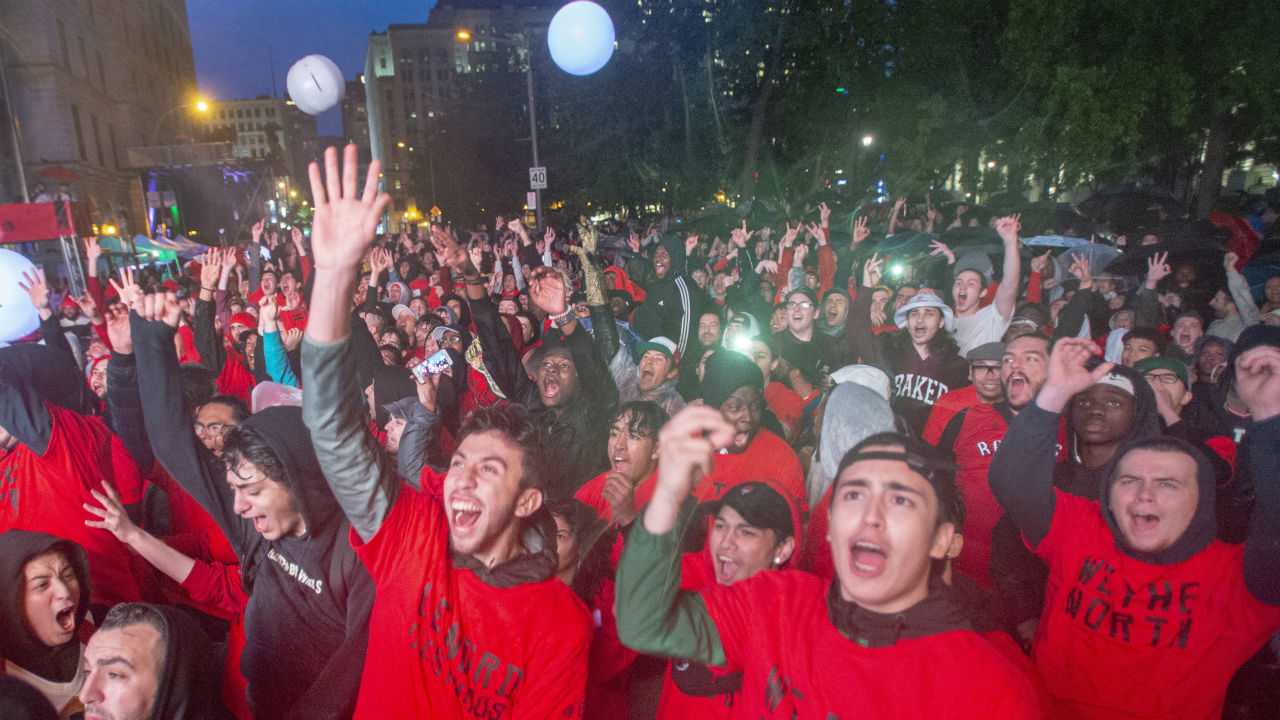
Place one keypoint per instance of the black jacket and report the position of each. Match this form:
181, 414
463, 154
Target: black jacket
306, 624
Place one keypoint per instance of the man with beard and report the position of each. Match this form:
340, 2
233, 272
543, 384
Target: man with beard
618, 494
1147, 614
470, 565
673, 303
572, 392
810, 648
974, 433
923, 359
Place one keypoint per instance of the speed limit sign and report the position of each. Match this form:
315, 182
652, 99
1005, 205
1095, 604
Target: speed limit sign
537, 178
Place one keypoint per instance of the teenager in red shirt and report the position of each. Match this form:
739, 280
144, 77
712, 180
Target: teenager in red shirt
618, 494
866, 644
1147, 614
469, 618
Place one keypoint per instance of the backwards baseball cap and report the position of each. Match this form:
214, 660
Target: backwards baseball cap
664, 345
935, 465
1146, 365
925, 300
399, 310
760, 505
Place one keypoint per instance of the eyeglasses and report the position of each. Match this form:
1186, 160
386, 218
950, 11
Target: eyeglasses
1168, 379
992, 369
803, 305
215, 428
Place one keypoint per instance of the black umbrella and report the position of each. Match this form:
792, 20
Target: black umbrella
1127, 209
1197, 243
1052, 218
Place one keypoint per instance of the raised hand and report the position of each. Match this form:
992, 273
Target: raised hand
296, 233
1068, 373
1080, 268
824, 215
940, 248
688, 444
1157, 269
268, 311
860, 231
549, 236
1040, 263
802, 251
872, 270
590, 239
128, 290
92, 251
118, 329
740, 236
344, 225
427, 392
1228, 261
546, 291
1008, 227
815, 230
788, 237
291, 338
256, 230
34, 284
1258, 381
450, 252
113, 517
210, 269
770, 266
161, 307
690, 243
89, 308
633, 241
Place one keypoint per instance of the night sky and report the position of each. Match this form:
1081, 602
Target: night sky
230, 40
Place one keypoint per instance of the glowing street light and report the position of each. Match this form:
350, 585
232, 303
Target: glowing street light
464, 35
867, 140
202, 106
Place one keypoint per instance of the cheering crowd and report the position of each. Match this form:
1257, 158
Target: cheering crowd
622, 472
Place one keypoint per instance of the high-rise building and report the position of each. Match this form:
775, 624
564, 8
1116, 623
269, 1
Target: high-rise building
265, 128
355, 118
419, 78
88, 80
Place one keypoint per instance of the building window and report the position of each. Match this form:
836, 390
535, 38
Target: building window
382, 62
75, 120
257, 112
62, 40
97, 140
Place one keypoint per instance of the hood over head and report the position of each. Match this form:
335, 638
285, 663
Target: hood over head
282, 428
1144, 422
679, 261
726, 372
189, 681
18, 643
1203, 528
853, 413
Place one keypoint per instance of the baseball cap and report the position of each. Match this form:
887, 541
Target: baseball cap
760, 505
438, 333
1146, 365
399, 310
978, 262
664, 345
986, 352
925, 300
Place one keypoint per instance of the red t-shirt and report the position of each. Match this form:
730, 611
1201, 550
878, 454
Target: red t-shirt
1120, 638
293, 319
945, 407
44, 493
695, 573
444, 644
776, 629
786, 404
768, 457
591, 494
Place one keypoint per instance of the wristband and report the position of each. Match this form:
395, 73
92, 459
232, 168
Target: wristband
563, 318
209, 289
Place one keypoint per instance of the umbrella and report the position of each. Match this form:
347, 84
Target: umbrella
1004, 203
1050, 218
1099, 256
1128, 209
973, 238
60, 174
1054, 241
907, 242
1196, 243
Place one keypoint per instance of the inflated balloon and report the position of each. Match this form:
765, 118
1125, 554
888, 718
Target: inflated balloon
18, 317
315, 84
580, 37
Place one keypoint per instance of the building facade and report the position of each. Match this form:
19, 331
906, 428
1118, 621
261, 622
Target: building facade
88, 80
264, 128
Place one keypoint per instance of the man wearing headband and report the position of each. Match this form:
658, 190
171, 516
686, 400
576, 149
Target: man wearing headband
1148, 614
810, 648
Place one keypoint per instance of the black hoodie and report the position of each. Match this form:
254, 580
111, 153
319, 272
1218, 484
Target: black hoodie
306, 624
188, 686
18, 644
672, 304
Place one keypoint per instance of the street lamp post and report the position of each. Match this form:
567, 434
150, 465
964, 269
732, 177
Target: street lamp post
201, 105
533, 121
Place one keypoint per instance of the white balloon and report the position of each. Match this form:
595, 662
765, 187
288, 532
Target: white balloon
580, 37
18, 317
315, 84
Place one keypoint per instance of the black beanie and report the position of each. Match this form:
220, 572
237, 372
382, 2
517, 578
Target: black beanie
726, 371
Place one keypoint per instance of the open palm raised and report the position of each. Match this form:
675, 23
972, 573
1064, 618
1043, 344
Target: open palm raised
344, 224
